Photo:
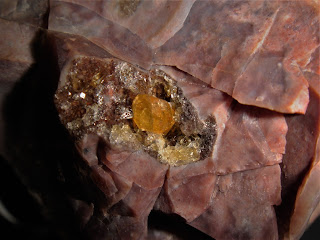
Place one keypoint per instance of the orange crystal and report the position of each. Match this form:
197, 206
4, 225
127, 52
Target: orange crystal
152, 114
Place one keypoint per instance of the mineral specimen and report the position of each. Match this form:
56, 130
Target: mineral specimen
152, 114
132, 109
205, 112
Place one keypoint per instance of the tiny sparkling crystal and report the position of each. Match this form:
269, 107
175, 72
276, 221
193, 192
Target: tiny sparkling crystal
82, 95
133, 110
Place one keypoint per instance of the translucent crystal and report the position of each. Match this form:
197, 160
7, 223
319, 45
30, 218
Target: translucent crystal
152, 114
122, 135
178, 155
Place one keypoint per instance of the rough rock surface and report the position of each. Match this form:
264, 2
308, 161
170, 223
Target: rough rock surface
189, 190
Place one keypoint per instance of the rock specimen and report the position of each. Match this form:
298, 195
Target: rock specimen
203, 111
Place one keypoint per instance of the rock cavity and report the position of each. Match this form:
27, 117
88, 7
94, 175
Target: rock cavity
132, 109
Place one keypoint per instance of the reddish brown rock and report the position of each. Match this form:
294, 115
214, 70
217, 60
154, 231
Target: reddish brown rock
262, 53
160, 19
306, 205
16, 49
247, 56
117, 40
31, 12
188, 190
138, 167
241, 206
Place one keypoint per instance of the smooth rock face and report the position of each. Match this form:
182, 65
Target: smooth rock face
241, 207
232, 165
161, 19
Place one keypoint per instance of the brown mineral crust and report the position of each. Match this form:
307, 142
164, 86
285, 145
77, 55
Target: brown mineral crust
117, 40
160, 19
295, 30
313, 79
260, 127
196, 48
271, 123
241, 206
90, 77
177, 195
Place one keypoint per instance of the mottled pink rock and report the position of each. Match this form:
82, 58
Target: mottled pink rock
244, 145
241, 206
160, 19
247, 56
117, 40
261, 141
260, 53
138, 167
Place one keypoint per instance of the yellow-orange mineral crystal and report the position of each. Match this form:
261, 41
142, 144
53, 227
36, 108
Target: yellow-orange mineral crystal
152, 114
